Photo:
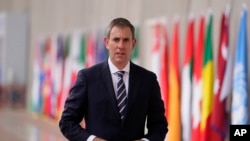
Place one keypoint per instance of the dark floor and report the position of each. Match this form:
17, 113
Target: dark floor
21, 125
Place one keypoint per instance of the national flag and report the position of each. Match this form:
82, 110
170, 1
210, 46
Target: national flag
38, 76
82, 51
101, 51
219, 115
66, 71
240, 95
207, 82
59, 73
35, 85
137, 45
53, 62
226, 90
174, 120
156, 49
186, 87
47, 88
164, 70
74, 55
197, 82
90, 52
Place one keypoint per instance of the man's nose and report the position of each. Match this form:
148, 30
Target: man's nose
121, 44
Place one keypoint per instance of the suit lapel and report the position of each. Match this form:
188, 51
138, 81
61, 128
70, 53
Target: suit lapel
134, 83
107, 82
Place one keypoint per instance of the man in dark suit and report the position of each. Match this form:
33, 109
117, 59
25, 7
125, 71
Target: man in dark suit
118, 99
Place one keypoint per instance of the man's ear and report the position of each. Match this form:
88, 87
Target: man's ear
106, 40
134, 43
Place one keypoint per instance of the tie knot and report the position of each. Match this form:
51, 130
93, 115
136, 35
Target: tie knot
120, 74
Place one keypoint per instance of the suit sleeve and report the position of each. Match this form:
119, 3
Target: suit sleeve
74, 110
156, 122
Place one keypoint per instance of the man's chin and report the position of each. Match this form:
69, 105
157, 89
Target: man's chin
120, 62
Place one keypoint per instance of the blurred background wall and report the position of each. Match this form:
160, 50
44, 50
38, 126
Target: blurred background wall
49, 17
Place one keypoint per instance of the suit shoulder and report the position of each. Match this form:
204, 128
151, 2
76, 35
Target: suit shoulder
143, 70
93, 69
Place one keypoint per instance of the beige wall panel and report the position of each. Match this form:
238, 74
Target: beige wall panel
14, 5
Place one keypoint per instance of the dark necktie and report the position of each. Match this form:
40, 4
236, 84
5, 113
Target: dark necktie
121, 94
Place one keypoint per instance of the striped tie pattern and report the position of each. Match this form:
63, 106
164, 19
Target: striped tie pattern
121, 94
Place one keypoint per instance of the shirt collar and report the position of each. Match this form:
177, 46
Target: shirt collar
114, 69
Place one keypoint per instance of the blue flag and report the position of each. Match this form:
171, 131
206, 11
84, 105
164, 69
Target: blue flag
240, 84
101, 51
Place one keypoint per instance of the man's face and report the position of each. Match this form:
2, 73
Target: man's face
120, 45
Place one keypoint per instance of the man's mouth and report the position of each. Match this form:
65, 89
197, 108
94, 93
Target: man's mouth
120, 53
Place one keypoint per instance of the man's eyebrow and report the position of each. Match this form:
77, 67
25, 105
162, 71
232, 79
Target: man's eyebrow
120, 38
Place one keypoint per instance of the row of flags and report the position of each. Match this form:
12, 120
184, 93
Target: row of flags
57, 59
196, 97
201, 99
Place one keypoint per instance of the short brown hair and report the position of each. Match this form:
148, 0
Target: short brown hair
122, 22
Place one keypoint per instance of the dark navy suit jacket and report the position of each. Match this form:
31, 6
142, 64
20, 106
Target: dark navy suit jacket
93, 98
